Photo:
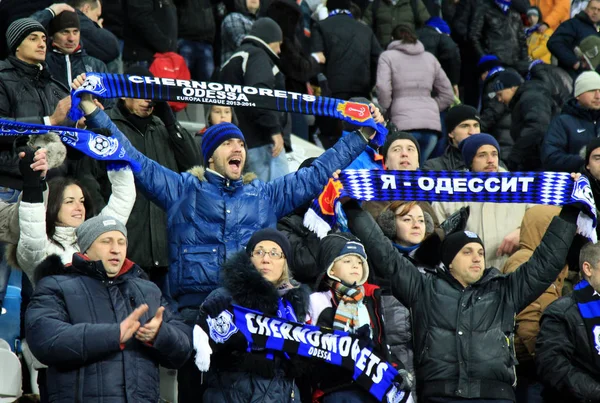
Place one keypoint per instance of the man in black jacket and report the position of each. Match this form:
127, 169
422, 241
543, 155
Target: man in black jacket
67, 58
567, 351
255, 64
570, 33
150, 27
154, 131
98, 42
99, 325
532, 109
435, 36
463, 315
461, 122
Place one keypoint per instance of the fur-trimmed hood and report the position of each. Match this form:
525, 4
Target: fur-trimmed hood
250, 289
200, 173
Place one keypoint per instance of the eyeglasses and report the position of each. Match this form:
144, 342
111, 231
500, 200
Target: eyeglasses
274, 254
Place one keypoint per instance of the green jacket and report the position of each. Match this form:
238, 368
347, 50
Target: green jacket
388, 16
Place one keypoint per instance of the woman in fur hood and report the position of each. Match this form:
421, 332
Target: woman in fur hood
258, 279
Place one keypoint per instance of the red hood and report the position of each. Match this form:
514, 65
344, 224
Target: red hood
127, 265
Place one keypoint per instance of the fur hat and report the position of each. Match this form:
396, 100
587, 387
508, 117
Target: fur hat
387, 222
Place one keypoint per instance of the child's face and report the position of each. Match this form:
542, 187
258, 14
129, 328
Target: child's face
533, 19
220, 114
349, 269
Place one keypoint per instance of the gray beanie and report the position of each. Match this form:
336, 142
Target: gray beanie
267, 30
91, 229
19, 30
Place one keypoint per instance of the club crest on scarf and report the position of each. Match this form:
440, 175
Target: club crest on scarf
103, 146
596, 333
94, 84
222, 327
354, 110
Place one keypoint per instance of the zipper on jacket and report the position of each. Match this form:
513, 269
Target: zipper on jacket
69, 72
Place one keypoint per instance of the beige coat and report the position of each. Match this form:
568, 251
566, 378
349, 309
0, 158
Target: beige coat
491, 221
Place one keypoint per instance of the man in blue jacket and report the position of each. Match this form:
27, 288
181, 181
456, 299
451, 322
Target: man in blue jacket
99, 325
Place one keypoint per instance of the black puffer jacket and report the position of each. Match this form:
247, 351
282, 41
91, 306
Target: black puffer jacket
147, 224
567, 36
463, 337
305, 244
151, 28
297, 66
557, 80
496, 118
236, 375
444, 49
565, 357
352, 52
493, 32
72, 325
195, 20
532, 109
256, 65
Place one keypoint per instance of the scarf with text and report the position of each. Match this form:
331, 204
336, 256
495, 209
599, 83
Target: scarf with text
168, 89
89, 143
588, 302
551, 188
348, 316
263, 332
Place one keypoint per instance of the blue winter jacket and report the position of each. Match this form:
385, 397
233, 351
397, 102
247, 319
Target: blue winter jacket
210, 218
73, 326
567, 135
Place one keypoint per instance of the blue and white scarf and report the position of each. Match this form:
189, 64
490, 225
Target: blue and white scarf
504, 5
340, 11
202, 92
588, 302
91, 144
552, 188
380, 378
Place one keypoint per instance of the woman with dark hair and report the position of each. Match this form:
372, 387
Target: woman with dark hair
407, 76
47, 230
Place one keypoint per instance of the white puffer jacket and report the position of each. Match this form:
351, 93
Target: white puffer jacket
34, 245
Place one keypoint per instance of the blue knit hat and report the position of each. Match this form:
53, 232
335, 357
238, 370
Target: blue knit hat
215, 135
439, 24
487, 62
469, 146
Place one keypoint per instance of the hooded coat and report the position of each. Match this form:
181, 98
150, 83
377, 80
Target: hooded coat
237, 375
406, 78
235, 26
463, 336
210, 218
73, 326
534, 226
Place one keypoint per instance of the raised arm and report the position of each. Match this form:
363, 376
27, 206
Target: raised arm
406, 280
533, 277
122, 198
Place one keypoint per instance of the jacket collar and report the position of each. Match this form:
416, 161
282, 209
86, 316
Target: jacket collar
32, 70
573, 108
215, 178
65, 236
262, 44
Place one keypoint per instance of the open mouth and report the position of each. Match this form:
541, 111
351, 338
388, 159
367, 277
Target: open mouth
235, 163
78, 216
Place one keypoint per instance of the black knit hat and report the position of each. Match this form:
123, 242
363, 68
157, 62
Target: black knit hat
458, 114
66, 19
455, 242
507, 79
591, 146
338, 5
271, 234
393, 135
334, 246
267, 30
19, 30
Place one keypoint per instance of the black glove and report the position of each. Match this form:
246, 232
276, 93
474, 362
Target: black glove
570, 212
214, 306
32, 183
164, 112
363, 334
456, 222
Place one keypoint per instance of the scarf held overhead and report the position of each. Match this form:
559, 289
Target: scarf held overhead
551, 188
202, 92
263, 332
91, 144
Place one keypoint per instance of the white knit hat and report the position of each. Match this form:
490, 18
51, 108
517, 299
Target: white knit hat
587, 81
